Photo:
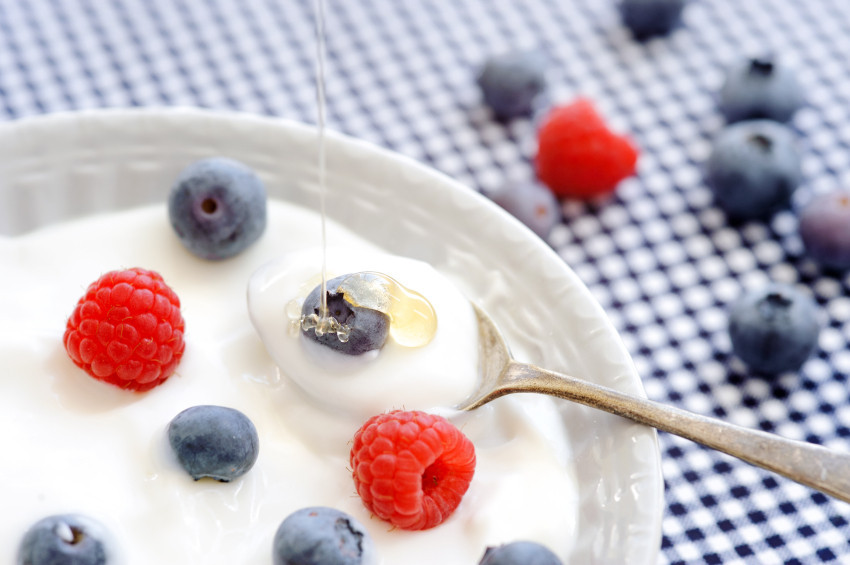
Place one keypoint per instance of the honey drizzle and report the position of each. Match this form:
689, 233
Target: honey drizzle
322, 323
413, 321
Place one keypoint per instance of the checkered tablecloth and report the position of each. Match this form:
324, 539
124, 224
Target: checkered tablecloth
660, 257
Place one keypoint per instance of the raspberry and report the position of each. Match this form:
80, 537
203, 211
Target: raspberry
578, 156
127, 330
411, 468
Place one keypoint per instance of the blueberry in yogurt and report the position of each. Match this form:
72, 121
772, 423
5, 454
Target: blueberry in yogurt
753, 169
214, 441
320, 535
64, 539
519, 553
760, 88
217, 208
774, 329
356, 329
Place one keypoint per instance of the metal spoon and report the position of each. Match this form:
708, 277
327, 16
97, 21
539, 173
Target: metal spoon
806, 463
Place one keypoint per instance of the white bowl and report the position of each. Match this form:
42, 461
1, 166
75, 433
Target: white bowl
61, 166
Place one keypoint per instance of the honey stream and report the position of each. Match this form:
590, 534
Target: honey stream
413, 321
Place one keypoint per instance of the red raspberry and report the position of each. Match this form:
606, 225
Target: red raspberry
411, 468
127, 330
578, 156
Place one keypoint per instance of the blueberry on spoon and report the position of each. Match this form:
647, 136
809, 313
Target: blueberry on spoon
365, 329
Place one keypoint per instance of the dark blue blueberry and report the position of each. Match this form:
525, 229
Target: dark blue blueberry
774, 329
511, 82
369, 328
754, 168
519, 553
321, 536
646, 18
214, 441
217, 207
825, 229
760, 88
532, 204
65, 539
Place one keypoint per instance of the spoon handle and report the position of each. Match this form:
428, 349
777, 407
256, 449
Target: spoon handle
806, 463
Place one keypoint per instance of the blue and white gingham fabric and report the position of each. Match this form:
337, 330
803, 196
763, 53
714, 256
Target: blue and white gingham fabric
660, 257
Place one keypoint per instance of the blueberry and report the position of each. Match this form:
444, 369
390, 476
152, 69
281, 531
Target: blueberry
369, 328
64, 539
760, 88
214, 441
825, 229
646, 18
753, 169
511, 82
519, 553
217, 207
774, 329
321, 536
532, 204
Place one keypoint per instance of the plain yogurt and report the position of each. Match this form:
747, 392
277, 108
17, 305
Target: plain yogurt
73, 444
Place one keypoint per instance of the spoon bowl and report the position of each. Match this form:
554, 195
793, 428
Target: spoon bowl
806, 463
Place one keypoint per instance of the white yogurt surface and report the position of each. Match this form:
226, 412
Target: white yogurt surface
73, 444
